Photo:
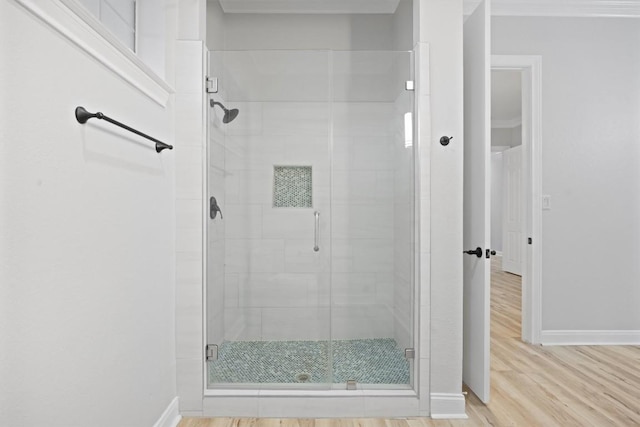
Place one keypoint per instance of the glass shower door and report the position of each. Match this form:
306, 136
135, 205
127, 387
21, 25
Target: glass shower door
269, 257
372, 295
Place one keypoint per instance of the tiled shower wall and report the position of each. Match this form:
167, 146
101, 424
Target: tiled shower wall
275, 286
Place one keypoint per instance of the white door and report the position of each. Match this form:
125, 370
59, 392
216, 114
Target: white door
512, 211
477, 199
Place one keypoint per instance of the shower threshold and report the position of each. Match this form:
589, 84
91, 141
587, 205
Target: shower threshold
366, 361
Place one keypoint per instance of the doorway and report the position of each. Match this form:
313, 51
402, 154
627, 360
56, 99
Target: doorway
527, 244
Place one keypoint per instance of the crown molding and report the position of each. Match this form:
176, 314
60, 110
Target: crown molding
561, 8
310, 6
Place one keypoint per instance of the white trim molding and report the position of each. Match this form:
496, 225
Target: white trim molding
448, 406
171, 416
76, 24
564, 8
558, 337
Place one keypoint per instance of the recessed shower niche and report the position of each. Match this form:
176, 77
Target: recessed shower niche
292, 187
311, 271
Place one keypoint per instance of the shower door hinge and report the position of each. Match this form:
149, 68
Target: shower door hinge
211, 352
409, 85
352, 385
409, 353
212, 85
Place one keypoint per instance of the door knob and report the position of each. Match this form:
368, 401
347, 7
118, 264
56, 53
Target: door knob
477, 252
489, 253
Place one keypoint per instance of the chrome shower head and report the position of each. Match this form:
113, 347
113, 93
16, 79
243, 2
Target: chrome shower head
229, 115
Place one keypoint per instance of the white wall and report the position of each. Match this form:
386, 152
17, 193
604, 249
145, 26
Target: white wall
440, 26
87, 239
215, 25
403, 26
590, 157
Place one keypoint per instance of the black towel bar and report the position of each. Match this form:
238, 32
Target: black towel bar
83, 115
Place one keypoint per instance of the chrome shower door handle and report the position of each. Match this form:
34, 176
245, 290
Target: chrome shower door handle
316, 214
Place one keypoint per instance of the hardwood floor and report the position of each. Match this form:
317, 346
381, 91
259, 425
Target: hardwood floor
530, 385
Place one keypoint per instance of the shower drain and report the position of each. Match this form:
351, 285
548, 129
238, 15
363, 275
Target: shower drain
303, 378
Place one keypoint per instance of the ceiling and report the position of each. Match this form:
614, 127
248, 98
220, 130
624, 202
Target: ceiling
506, 98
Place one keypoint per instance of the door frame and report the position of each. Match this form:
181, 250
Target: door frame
531, 68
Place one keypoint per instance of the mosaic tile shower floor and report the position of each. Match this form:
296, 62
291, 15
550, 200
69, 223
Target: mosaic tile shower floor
368, 361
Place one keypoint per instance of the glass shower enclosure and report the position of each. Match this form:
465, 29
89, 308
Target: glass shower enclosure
310, 232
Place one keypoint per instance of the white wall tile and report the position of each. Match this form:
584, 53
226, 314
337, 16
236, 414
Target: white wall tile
361, 321
299, 256
373, 255
254, 255
362, 119
354, 288
289, 223
253, 152
188, 60
232, 290
248, 122
389, 407
305, 323
290, 407
188, 319
232, 406
384, 288
365, 221
189, 182
306, 150
189, 213
190, 120
274, 289
250, 187
243, 221
319, 294
243, 324
189, 240
189, 267
362, 153
293, 118
189, 383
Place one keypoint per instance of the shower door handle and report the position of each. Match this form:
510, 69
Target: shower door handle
316, 234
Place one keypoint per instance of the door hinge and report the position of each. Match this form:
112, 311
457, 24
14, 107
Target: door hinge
409, 353
409, 85
211, 352
211, 84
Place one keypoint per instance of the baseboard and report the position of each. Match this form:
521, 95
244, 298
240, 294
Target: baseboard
171, 416
590, 338
447, 406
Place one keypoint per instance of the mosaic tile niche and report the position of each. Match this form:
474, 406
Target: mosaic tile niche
292, 187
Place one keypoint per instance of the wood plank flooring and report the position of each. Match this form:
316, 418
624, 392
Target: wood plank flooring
530, 385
